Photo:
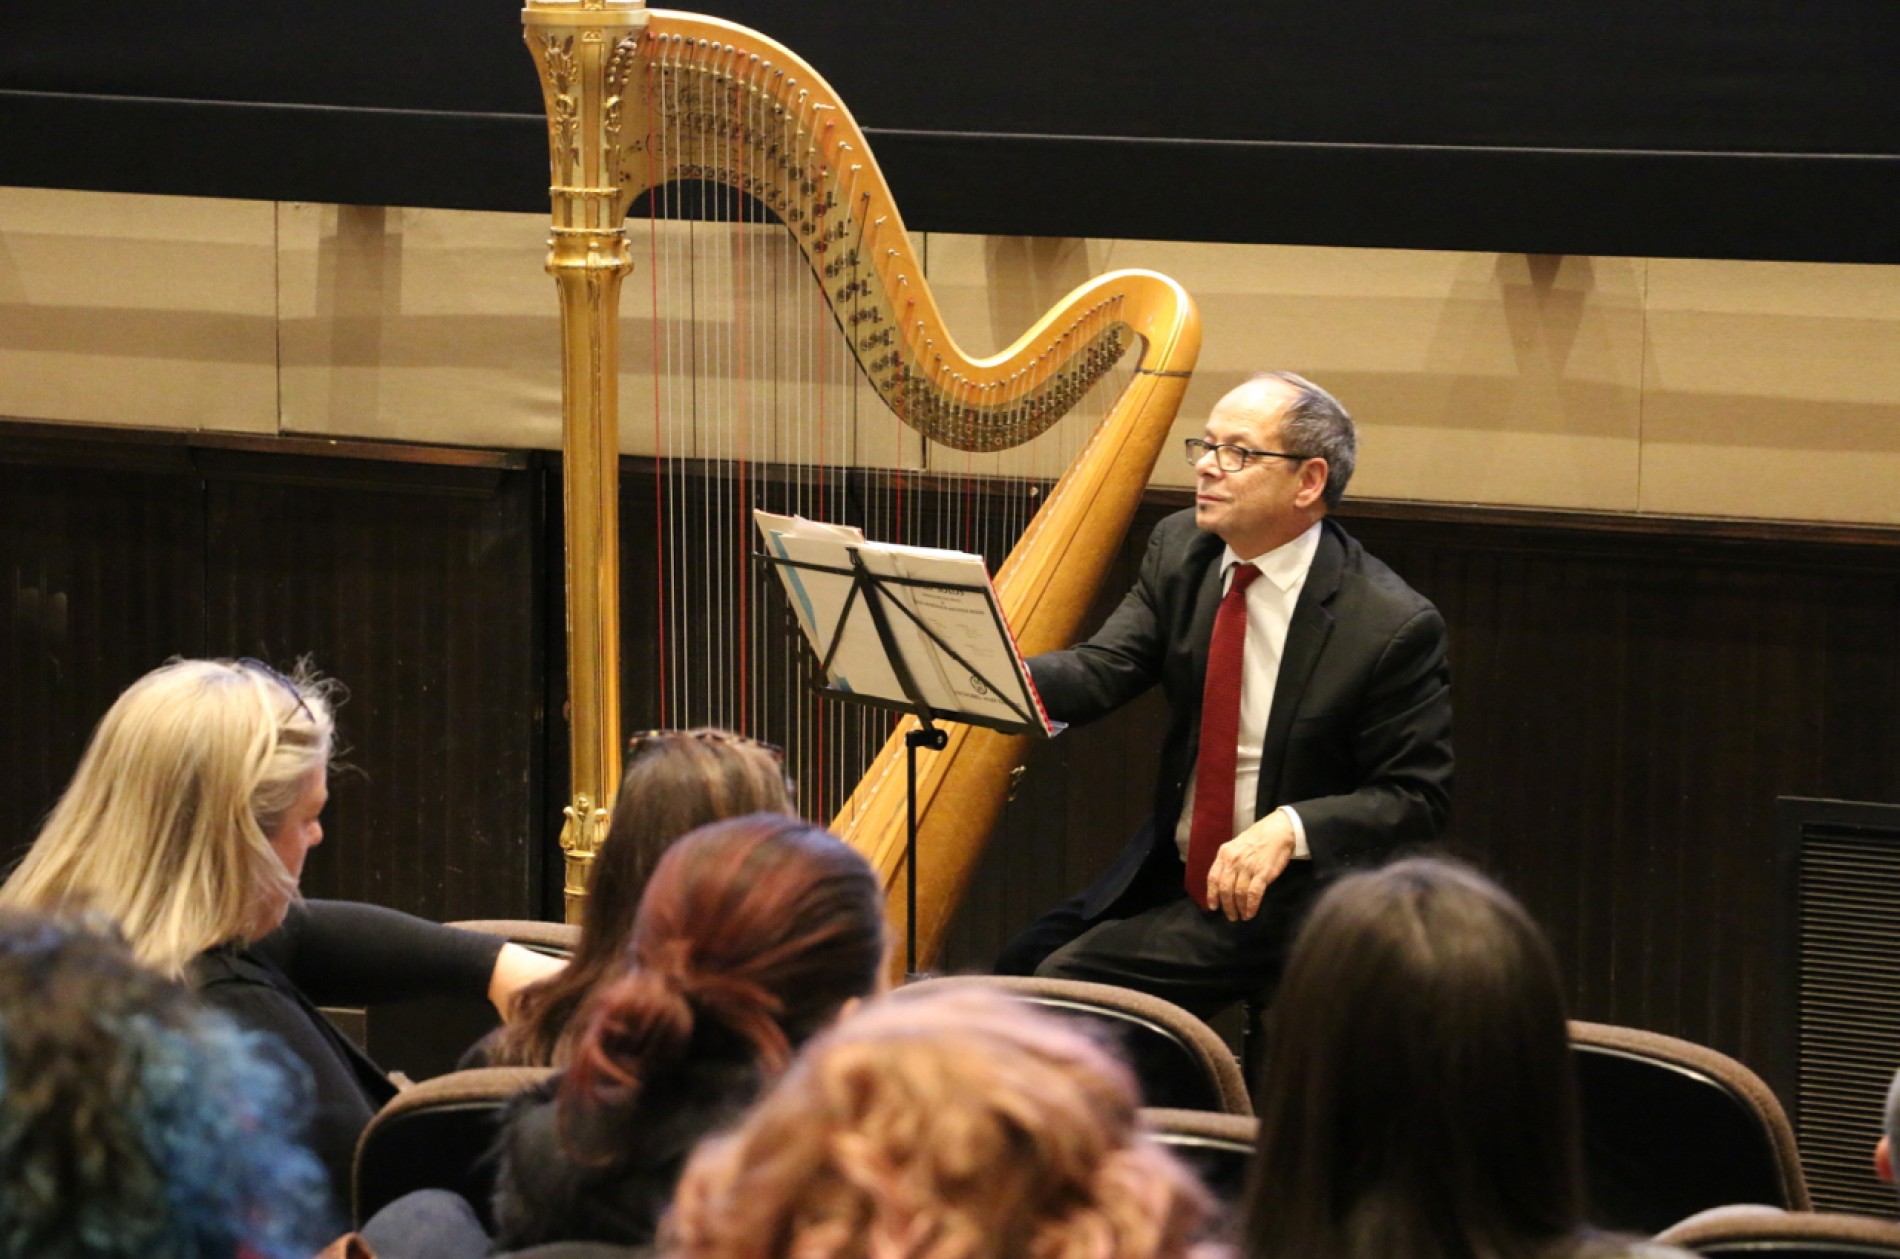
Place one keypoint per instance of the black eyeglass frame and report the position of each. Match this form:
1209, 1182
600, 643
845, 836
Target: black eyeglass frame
1197, 448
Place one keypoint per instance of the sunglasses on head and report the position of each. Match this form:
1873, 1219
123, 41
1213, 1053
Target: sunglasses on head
255, 665
705, 734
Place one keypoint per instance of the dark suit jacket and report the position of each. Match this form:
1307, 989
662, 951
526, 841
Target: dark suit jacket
1359, 737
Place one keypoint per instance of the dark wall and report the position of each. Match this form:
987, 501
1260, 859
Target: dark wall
1761, 129
418, 583
1632, 694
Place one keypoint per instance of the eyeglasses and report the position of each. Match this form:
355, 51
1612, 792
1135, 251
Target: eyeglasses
258, 666
706, 734
1231, 458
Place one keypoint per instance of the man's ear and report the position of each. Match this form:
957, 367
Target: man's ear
1883, 1160
1313, 475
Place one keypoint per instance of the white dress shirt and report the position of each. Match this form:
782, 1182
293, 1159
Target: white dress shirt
1270, 602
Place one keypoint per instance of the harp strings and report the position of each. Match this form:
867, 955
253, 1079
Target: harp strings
759, 398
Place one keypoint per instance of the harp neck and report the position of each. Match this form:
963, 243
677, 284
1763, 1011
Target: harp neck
661, 100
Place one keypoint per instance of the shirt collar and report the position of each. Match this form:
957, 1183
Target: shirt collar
1285, 565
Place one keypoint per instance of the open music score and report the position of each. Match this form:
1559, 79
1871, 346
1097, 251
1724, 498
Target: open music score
904, 627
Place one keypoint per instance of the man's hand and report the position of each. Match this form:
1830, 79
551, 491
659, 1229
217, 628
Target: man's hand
1245, 865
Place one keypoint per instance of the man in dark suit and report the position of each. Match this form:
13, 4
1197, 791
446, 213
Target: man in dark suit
1310, 675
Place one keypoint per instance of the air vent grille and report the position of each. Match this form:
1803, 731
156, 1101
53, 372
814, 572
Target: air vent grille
1849, 959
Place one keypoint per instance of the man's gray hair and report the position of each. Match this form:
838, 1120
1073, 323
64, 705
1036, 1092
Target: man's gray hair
1316, 425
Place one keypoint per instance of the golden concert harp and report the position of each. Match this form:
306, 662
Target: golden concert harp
796, 360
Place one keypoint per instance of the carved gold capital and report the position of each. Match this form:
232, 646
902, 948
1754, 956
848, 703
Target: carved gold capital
582, 834
584, 829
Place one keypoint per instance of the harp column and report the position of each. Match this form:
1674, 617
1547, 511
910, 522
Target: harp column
584, 52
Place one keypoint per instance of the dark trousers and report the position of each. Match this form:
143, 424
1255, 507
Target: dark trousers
427, 1224
1155, 940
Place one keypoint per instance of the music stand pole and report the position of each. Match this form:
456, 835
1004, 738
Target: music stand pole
936, 739
870, 588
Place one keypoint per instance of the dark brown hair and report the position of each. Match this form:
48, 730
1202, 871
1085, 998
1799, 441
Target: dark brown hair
675, 780
1419, 1099
753, 933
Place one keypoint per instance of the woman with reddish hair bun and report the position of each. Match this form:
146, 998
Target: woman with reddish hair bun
957, 1125
753, 934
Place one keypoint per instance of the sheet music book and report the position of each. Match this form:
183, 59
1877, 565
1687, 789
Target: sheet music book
959, 605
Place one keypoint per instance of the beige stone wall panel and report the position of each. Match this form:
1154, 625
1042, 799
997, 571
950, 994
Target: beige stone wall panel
137, 310
1670, 385
1773, 390
418, 325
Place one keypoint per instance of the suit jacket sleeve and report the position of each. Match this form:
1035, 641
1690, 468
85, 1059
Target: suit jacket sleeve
1398, 744
1121, 660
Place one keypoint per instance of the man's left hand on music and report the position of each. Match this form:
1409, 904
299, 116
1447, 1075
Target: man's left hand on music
1246, 864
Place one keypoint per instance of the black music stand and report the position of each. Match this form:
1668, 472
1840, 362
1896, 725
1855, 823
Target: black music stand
874, 591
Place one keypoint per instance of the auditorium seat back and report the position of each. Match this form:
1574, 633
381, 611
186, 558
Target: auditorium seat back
1217, 1146
1671, 1128
1180, 1061
438, 1135
1794, 1235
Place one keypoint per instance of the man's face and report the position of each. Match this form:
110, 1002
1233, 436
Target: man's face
1267, 502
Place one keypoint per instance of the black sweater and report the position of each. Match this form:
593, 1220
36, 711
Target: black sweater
544, 1195
340, 954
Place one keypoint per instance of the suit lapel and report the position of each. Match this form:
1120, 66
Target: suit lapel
1206, 603
1203, 559
1306, 635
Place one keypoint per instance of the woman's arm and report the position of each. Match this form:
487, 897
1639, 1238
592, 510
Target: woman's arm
344, 953
516, 968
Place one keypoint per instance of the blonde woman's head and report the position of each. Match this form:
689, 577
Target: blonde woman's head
959, 1125
168, 824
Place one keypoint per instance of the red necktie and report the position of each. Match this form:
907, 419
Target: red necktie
1220, 735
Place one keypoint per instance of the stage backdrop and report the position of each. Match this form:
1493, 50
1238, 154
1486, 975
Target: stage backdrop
1760, 129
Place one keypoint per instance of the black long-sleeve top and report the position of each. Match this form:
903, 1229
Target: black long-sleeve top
339, 953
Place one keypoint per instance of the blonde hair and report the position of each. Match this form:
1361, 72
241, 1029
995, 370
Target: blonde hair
958, 1125
164, 826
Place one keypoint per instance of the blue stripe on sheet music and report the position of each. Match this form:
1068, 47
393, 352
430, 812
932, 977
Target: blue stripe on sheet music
804, 600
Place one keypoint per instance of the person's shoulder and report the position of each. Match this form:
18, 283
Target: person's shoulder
1371, 577
531, 1118
1176, 529
233, 980
1179, 542
229, 967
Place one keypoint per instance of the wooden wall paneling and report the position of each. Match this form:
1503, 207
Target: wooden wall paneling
414, 585
1632, 694
1631, 698
101, 579
1859, 726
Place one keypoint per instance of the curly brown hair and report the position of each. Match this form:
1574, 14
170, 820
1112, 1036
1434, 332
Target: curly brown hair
959, 1125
